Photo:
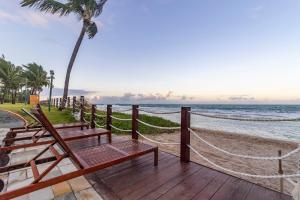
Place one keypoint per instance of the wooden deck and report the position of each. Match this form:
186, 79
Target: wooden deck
139, 179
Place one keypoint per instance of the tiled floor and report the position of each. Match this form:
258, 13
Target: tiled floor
74, 189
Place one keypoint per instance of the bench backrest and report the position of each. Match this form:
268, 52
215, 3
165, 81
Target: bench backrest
39, 114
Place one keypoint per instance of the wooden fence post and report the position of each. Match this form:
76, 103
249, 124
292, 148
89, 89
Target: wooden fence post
82, 100
68, 102
60, 102
73, 103
93, 117
81, 112
56, 102
108, 117
185, 134
53, 102
280, 171
135, 123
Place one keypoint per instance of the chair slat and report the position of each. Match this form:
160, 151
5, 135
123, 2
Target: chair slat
34, 169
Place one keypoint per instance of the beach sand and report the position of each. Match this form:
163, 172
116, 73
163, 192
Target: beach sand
240, 144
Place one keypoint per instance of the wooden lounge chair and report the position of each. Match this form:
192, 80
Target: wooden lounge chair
87, 160
36, 126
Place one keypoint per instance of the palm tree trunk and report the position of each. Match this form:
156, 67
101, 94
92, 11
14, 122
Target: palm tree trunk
71, 62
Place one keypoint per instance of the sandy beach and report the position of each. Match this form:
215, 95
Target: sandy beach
240, 144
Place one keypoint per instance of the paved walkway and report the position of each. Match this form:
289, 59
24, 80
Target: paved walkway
74, 189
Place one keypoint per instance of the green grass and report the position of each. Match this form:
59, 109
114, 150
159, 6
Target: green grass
55, 116
65, 116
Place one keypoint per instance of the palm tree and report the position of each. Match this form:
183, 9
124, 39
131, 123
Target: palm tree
10, 78
36, 78
85, 10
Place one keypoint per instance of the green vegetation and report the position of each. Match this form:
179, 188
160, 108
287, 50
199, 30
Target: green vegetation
55, 116
126, 125
85, 10
16, 82
65, 116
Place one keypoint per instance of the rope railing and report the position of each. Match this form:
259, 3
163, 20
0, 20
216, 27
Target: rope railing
242, 173
122, 130
158, 113
86, 121
100, 116
120, 119
159, 127
245, 156
98, 125
246, 119
157, 142
87, 113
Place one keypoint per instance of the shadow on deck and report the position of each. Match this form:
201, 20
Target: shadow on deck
139, 179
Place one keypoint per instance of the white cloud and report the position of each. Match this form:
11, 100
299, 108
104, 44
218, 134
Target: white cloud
24, 18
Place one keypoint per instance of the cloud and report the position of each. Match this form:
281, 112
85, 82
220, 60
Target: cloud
58, 92
24, 17
131, 98
241, 98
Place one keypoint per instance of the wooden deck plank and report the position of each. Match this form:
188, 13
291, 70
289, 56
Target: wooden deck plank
144, 186
171, 179
153, 191
212, 188
232, 189
132, 175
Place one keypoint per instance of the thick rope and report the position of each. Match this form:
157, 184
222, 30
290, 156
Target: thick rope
245, 156
244, 119
159, 113
159, 127
157, 142
99, 126
120, 119
122, 130
86, 121
241, 173
100, 116
87, 113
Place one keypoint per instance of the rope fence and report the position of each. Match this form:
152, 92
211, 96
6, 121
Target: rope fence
99, 125
120, 119
122, 130
159, 113
159, 127
245, 156
246, 119
157, 142
241, 173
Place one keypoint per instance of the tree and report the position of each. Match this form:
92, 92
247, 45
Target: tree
10, 78
85, 10
36, 78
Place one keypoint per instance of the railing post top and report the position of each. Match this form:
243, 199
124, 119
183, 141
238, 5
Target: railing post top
109, 105
186, 108
135, 106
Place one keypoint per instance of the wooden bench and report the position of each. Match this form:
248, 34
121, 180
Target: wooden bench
87, 160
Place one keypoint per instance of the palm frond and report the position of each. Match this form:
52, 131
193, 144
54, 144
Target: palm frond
99, 9
91, 29
51, 6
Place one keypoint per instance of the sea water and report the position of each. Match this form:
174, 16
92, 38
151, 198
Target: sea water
280, 130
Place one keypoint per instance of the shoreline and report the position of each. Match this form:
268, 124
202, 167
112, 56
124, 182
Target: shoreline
239, 144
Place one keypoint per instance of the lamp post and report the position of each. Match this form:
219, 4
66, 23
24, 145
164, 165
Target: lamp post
51, 86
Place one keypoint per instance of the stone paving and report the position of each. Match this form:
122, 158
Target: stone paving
75, 189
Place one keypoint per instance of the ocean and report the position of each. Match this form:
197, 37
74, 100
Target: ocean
279, 130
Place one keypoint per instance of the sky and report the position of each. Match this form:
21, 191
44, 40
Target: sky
166, 51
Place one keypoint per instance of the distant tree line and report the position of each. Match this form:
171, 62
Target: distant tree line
18, 82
